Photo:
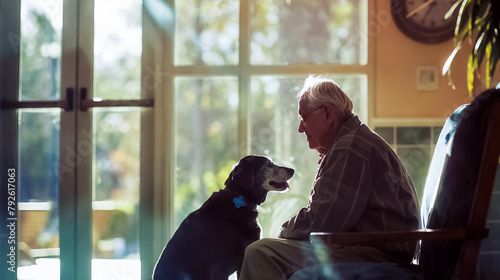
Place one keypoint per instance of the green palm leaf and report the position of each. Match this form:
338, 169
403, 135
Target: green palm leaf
479, 22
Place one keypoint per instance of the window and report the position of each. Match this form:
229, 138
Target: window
274, 127
415, 146
302, 31
237, 67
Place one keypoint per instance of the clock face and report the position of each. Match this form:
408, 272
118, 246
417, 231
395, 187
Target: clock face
423, 20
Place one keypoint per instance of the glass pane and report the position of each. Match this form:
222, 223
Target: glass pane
414, 135
305, 31
117, 49
40, 50
206, 113
206, 32
115, 177
356, 87
387, 133
436, 130
38, 181
274, 134
416, 161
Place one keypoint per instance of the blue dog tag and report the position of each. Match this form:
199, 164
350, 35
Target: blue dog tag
239, 201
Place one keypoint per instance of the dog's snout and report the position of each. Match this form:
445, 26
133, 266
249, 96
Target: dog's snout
286, 173
289, 171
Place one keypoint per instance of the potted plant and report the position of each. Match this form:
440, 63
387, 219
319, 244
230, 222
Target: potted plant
478, 23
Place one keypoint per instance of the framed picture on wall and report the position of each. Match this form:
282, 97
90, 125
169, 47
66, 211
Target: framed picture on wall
427, 78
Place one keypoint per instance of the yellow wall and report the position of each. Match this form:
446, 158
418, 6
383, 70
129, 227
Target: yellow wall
396, 60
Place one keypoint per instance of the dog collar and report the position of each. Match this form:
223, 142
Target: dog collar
239, 201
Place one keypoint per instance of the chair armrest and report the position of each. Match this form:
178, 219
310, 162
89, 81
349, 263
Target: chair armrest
398, 236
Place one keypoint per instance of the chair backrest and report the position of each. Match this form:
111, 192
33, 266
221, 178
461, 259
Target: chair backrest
465, 189
442, 152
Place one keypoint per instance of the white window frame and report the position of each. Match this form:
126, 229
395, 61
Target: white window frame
164, 180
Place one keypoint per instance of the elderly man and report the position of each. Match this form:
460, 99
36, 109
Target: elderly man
361, 185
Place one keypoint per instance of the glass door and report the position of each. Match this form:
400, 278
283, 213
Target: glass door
116, 139
116, 148
78, 103
37, 104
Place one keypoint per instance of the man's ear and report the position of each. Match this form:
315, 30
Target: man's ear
329, 114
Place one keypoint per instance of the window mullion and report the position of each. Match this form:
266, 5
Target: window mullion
68, 157
84, 144
244, 126
155, 189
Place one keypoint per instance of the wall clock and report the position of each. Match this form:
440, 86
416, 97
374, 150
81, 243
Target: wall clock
423, 20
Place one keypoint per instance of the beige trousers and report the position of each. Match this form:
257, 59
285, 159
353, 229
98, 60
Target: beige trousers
279, 259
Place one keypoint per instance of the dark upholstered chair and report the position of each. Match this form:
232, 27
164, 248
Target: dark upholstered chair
454, 207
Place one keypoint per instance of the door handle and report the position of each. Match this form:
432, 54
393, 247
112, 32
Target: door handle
90, 103
66, 104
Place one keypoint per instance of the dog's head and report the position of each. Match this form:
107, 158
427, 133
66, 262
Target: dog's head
254, 176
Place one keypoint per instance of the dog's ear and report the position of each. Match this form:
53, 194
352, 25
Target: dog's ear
243, 172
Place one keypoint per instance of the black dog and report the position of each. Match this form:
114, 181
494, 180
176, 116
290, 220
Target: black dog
211, 241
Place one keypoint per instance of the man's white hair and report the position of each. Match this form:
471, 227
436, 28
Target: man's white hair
320, 90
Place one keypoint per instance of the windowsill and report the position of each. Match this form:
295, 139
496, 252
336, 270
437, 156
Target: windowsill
37, 206
102, 269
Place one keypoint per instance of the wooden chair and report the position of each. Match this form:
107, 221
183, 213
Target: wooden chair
451, 238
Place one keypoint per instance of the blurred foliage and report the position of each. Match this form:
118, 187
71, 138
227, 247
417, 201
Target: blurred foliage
205, 138
39, 129
186, 193
116, 154
208, 34
39, 156
215, 181
40, 76
319, 31
117, 54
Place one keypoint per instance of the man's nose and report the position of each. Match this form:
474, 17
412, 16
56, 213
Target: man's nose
301, 127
